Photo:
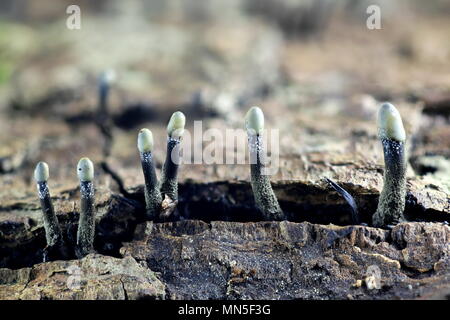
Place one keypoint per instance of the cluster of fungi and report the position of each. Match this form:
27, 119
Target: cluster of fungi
161, 197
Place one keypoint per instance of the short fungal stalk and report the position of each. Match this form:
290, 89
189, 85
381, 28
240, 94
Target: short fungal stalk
153, 196
265, 198
391, 204
175, 130
86, 224
52, 230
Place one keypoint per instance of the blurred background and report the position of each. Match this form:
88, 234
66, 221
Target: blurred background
314, 67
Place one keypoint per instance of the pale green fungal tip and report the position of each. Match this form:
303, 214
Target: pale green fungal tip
85, 169
145, 140
108, 76
390, 125
175, 128
41, 172
254, 120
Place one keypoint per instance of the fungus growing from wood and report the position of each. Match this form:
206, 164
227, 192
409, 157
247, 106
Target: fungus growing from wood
391, 133
265, 198
152, 193
169, 182
53, 235
86, 224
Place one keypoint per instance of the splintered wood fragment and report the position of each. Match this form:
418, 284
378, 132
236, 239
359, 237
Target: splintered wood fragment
168, 206
349, 198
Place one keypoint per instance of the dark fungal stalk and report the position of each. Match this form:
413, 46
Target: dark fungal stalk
106, 79
169, 182
103, 119
55, 243
265, 198
86, 223
391, 203
152, 193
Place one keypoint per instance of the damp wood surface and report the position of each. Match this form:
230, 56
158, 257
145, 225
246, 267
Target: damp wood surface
324, 109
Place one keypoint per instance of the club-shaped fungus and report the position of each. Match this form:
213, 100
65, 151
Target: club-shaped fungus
152, 193
391, 133
86, 224
55, 243
265, 198
169, 182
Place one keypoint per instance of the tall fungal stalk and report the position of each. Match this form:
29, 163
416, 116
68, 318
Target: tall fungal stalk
265, 198
86, 223
391, 204
161, 198
103, 119
53, 235
169, 182
153, 196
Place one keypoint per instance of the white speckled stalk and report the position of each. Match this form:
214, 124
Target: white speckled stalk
51, 225
265, 198
86, 222
391, 203
169, 181
153, 196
